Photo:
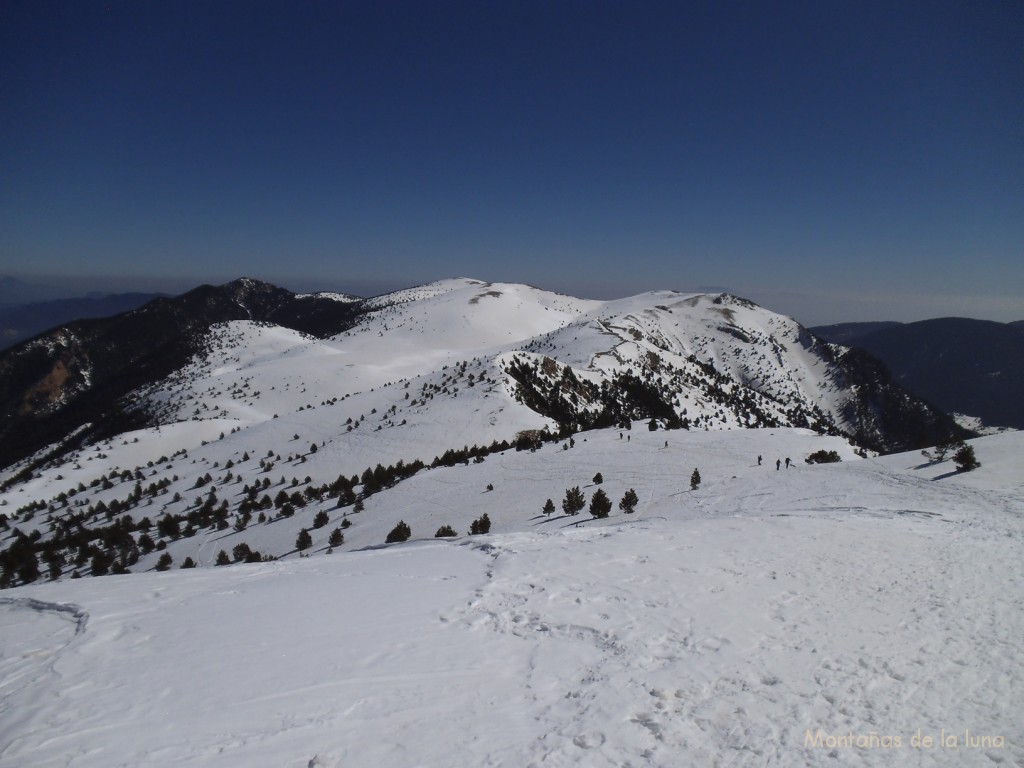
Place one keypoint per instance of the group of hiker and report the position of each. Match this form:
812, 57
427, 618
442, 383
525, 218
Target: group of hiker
778, 462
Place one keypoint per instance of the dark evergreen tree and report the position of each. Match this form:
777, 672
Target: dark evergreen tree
101, 562
573, 501
965, 459
600, 504
164, 563
303, 540
400, 532
188, 562
598, 479
481, 525
694, 480
336, 539
222, 558
240, 552
444, 531
629, 501
321, 519
549, 507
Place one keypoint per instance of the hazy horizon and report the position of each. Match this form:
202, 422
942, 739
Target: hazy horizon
809, 310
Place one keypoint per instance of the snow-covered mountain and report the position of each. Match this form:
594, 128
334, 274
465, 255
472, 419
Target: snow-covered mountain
723, 600
267, 429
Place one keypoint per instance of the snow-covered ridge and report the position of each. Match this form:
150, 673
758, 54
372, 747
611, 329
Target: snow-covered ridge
344, 298
459, 368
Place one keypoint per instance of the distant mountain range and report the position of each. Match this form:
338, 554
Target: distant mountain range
962, 366
21, 322
15, 292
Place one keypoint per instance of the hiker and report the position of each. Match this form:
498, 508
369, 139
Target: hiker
759, 460
666, 443
778, 463
787, 462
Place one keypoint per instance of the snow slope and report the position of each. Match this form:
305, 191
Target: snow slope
824, 615
428, 370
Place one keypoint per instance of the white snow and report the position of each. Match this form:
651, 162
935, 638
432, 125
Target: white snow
771, 617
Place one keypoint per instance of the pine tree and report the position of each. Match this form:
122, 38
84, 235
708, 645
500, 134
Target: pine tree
481, 525
321, 519
445, 531
336, 539
164, 562
600, 504
549, 507
598, 479
573, 501
222, 558
694, 480
400, 532
965, 459
629, 501
303, 540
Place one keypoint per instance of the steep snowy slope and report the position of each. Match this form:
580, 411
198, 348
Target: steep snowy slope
826, 615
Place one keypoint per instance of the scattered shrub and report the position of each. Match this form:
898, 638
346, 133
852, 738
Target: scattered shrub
823, 457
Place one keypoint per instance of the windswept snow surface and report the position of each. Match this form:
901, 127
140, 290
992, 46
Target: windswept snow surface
825, 615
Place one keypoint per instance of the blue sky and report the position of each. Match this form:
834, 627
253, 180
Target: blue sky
832, 160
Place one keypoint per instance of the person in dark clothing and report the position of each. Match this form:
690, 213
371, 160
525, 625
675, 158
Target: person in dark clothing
759, 460
787, 462
778, 463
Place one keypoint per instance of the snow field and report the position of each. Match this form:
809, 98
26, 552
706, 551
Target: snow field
662, 640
